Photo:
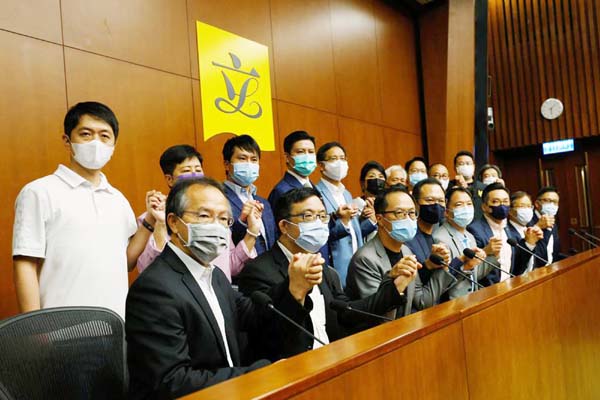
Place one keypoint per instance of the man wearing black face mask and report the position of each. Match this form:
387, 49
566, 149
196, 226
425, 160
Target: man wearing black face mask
491, 234
431, 204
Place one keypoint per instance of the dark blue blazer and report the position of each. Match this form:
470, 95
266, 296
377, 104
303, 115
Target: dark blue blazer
543, 250
421, 248
238, 230
482, 232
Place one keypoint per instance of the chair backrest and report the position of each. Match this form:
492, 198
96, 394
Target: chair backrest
63, 353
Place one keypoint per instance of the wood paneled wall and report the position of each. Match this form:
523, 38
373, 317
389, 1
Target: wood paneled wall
540, 49
341, 69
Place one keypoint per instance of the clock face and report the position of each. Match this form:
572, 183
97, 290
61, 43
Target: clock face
552, 108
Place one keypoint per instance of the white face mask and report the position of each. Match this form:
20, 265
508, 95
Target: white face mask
336, 170
489, 180
466, 171
92, 155
445, 183
524, 215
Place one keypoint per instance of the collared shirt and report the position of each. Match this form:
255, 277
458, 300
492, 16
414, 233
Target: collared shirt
317, 315
245, 194
338, 195
81, 232
203, 277
305, 181
550, 247
505, 251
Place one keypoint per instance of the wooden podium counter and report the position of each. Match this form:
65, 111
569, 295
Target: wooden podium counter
536, 336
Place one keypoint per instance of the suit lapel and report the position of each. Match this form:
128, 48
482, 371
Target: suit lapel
234, 200
291, 180
327, 196
280, 260
229, 318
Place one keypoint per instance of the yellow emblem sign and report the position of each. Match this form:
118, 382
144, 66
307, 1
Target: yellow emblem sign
235, 86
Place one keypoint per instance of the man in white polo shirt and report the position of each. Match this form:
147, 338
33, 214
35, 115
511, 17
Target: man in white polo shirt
75, 236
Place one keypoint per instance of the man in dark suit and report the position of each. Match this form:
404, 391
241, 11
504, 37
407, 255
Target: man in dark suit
546, 208
184, 322
302, 219
241, 156
521, 213
491, 234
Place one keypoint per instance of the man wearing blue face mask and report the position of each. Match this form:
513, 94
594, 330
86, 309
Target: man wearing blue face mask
301, 161
521, 213
241, 156
385, 253
417, 171
303, 222
491, 233
546, 208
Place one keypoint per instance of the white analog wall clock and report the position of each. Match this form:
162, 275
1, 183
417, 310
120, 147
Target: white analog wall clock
552, 108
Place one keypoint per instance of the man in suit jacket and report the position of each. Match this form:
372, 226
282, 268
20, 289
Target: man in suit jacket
382, 255
346, 233
241, 156
521, 214
184, 321
491, 234
453, 233
302, 220
546, 208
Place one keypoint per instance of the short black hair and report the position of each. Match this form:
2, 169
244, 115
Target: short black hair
463, 153
93, 109
517, 195
381, 199
326, 147
485, 167
547, 189
243, 142
175, 155
176, 201
294, 137
369, 165
491, 188
412, 161
450, 192
284, 204
428, 181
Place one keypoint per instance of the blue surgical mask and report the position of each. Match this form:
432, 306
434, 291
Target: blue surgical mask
245, 173
403, 230
313, 235
416, 177
463, 216
549, 209
305, 164
524, 215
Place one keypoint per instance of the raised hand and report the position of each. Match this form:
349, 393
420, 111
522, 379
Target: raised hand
404, 272
304, 271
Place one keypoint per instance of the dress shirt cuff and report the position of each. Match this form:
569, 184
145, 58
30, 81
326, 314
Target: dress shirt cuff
530, 246
249, 253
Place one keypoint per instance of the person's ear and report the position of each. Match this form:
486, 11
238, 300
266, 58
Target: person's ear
67, 143
282, 226
170, 180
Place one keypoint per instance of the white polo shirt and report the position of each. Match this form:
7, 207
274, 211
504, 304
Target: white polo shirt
81, 232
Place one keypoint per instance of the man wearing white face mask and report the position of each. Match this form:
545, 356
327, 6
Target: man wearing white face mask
464, 165
521, 213
546, 208
417, 171
346, 232
75, 236
302, 220
185, 324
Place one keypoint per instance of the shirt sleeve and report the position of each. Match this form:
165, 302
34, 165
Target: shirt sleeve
239, 255
31, 215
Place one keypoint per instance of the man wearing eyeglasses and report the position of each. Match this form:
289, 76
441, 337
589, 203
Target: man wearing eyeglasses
184, 322
303, 221
491, 234
546, 209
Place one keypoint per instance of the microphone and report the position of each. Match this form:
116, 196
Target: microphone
339, 305
263, 299
574, 232
514, 243
471, 254
589, 235
437, 260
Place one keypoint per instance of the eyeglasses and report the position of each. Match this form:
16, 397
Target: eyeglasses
402, 214
202, 217
309, 217
434, 200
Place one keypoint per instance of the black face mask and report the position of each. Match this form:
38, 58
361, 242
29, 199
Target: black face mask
500, 212
375, 185
432, 213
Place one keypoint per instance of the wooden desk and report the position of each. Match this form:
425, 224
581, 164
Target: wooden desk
536, 336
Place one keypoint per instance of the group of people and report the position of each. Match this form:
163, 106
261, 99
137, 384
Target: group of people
213, 255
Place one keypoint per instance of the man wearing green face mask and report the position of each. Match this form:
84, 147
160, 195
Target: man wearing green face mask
301, 161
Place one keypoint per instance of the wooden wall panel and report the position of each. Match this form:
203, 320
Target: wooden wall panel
355, 57
304, 63
399, 147
541, 49
152, 117
32, 109
395, 52
151, 33
39, 19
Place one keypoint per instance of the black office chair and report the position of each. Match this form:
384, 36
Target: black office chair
63, 353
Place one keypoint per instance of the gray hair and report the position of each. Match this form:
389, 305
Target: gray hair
395, 168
